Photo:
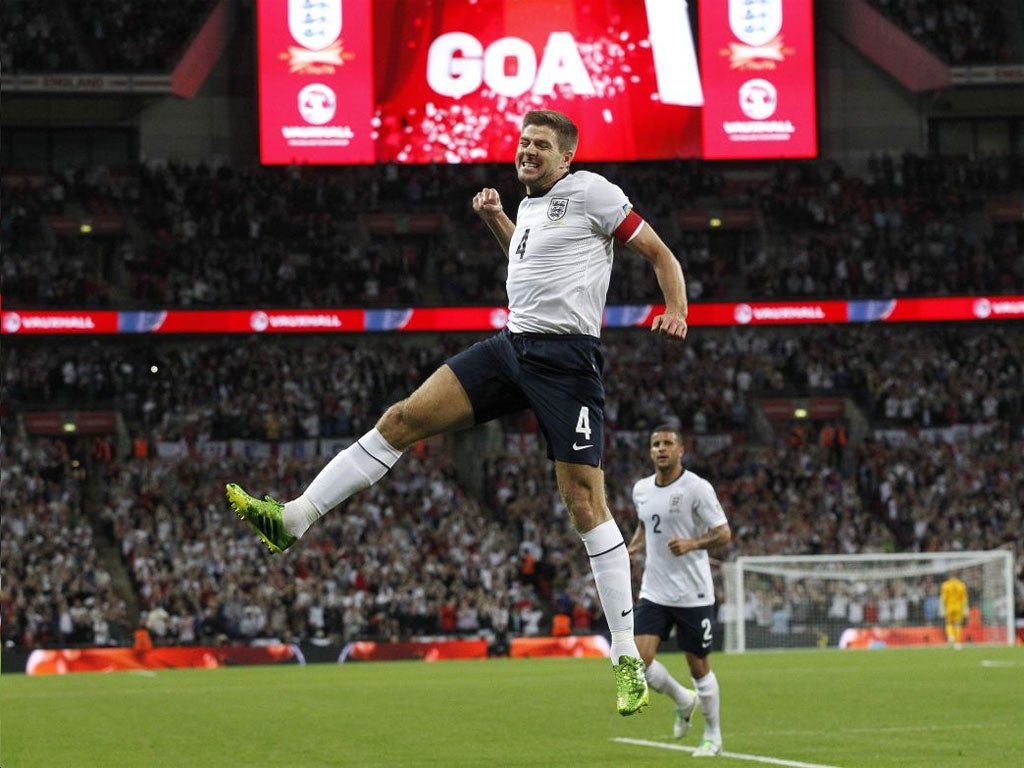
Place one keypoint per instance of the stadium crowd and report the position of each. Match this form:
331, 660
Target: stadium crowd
418, 554
959, 32
909, 226
150, 36
97, 533
56, 588
97, 35
218, 236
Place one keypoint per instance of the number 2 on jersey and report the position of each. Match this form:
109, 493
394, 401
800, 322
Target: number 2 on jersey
521, 250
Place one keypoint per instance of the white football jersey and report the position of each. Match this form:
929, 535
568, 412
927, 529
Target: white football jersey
685, 508
560, 256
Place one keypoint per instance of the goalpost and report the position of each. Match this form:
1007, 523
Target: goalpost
863, 601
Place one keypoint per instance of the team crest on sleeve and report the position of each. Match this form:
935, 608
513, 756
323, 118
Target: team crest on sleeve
557, 208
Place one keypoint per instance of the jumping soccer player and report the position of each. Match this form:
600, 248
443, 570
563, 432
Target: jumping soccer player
548, 358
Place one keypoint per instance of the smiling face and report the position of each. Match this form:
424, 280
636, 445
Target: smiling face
540, 162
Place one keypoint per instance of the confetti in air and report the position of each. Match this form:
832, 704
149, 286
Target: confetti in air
464, 131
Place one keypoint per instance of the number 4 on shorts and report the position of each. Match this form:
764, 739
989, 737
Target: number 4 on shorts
583, 424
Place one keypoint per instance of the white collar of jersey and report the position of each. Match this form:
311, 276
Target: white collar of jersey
666, 485
545, 192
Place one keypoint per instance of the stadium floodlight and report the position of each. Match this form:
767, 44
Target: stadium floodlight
867, 600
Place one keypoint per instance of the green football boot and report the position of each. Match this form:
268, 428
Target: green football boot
263, 516
630, 685
708, 748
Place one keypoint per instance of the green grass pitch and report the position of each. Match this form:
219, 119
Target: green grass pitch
906, 708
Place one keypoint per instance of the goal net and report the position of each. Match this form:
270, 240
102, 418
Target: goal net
863, 601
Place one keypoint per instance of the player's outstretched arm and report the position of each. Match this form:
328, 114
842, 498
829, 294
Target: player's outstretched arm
487, 204
672, 322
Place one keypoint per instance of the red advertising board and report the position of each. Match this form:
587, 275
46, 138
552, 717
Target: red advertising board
327, 320
886, 637
956, 308
437, 650
759, 54
62, 661
316, 81
421, 81
59, 321
769, 313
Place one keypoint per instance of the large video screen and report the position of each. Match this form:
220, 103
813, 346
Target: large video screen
448, 81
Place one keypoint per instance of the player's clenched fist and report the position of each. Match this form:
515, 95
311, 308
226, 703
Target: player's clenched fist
487, 202
670, 324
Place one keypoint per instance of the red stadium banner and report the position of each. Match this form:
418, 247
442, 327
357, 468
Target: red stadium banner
440, 650
253, 321
877, 637
316, 81
64, 661
769, 313
59, 321
956, 308
187, 321
759, 56
576, 646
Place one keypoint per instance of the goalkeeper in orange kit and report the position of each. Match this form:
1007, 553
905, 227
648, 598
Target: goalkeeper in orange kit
954, 607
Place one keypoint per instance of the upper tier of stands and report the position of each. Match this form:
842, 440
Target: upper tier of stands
167, 236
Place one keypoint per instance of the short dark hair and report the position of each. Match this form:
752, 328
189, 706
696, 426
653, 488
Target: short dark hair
669, 428
565, 129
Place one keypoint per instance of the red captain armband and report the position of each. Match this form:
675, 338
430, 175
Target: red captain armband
629, 227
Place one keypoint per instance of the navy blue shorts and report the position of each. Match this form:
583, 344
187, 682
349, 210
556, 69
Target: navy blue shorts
557, 376
694, 626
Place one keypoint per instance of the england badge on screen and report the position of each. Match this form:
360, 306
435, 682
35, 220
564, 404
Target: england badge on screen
314, 24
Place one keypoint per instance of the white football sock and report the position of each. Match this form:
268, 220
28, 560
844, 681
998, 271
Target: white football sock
661, 680
707, 691
357, 467
609, 562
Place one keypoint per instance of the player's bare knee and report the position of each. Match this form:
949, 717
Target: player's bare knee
699, 666
397, 425
584, 514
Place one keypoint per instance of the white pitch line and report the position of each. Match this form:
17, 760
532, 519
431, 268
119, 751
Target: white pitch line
733, 755
873, 729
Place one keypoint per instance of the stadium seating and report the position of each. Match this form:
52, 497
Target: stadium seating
958, 32
190, 564
182, 236
97, 35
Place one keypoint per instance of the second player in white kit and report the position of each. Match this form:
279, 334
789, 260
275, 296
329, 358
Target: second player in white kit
680, 519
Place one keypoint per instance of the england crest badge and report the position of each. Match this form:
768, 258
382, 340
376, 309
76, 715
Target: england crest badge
557, 208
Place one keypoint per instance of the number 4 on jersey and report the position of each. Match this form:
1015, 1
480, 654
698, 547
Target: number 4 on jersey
521, 250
